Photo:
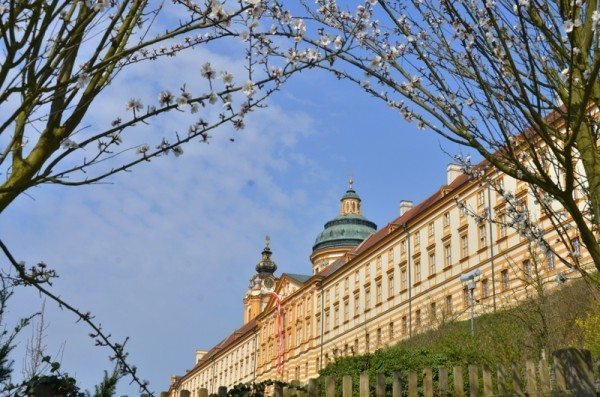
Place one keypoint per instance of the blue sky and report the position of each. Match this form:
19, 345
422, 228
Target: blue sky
163, 254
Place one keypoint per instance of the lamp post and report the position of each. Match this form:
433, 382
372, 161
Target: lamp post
469, 280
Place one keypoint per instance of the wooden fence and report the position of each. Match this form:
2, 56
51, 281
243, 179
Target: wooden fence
571, 373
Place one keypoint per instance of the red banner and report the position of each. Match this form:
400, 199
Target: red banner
279, 326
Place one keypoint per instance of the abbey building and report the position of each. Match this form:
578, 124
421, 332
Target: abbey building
371, 287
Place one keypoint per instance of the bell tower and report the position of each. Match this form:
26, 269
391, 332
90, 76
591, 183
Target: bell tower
262, 283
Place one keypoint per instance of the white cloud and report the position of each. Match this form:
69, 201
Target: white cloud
164, 253
157, 254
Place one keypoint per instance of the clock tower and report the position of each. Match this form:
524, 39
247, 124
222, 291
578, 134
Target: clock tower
261, 284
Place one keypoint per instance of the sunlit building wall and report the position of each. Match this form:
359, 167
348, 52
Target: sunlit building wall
370, 288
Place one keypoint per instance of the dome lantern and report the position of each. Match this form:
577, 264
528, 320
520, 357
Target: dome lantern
350, 201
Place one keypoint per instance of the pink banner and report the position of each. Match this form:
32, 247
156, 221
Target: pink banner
280, 341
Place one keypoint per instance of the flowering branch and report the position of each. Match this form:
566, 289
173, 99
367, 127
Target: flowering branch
62, 56
40, 275
517, 80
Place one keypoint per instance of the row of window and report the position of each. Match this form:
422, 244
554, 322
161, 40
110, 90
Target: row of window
482, 242
505, 284
237, 370
343, 313
484, 288
448, 309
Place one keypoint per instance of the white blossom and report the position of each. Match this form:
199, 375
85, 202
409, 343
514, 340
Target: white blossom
248, 88
337, 43
392, 54
238, 124
177, 151
595, 19
165, 98
569, 25
325, 40
184, 98
292, 56
134, 104
286, 18
299, 26
587, 74
142, 149
82, 80
376, 62
227, 78
69, 144
100, 5
217, 11
207, 71
276, 72
312, 55
164, 145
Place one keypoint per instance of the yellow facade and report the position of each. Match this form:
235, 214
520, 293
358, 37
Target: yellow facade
401, 280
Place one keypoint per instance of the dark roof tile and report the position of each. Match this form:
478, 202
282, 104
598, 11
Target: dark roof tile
300, 278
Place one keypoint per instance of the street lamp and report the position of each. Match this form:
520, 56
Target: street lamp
469, 280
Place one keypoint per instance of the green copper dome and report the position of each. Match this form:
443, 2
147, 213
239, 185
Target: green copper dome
344, 231
349, 228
